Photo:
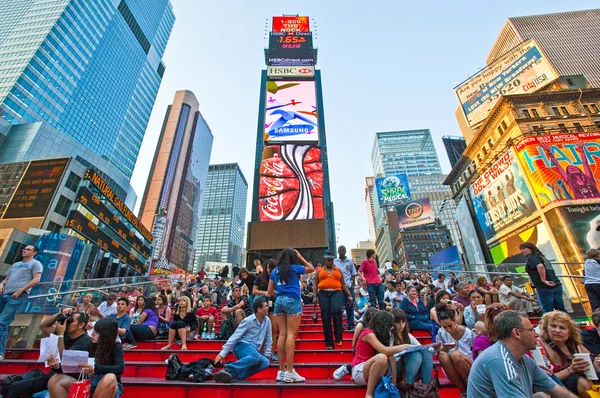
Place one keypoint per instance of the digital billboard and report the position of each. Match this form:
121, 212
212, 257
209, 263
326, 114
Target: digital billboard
507, 251
291, 183
446, 260
579, 232
561, 166
80, 224
392, 190
291, 112
469, 235
59, 255
414, 213
100, 210
36, 189
524, 69
291, 24
291, 49
500, 196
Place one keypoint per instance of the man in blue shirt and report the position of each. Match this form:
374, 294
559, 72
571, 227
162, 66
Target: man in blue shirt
346, 265
124, 323
252, 334
504, 369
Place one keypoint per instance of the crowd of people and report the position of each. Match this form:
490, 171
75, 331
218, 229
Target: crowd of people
480, 332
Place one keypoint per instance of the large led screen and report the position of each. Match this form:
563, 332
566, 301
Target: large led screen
415, 213
291, 24
524, 69
561, 166
392, 190
500, 196
291, 112
295, 49
291, 183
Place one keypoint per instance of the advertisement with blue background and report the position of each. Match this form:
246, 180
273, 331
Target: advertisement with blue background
501, 197
59, 255
392, 190
446, 260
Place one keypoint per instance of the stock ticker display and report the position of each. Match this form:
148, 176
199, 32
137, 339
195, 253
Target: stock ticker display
96, 234
36, 189
291, 49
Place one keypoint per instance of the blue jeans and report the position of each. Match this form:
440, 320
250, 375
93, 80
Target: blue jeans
420, 362
551, 298
287, 306
249, 361
8, 309
376, 295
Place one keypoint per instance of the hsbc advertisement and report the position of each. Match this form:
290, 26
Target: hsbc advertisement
282, 72
291, 183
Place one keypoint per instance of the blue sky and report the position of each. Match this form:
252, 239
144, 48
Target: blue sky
386, 65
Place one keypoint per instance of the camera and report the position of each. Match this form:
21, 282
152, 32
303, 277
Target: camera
61, 318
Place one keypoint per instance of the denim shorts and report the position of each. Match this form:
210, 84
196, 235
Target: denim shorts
288, 306
96, 379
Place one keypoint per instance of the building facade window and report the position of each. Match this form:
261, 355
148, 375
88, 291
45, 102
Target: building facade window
63, 206
73, 182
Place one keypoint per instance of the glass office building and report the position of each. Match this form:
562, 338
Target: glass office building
411, 152
91, 69
223, 220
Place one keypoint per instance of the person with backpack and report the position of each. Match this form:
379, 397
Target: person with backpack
548, 286
374, 353
251, 336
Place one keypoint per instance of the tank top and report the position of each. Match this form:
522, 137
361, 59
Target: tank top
364, 351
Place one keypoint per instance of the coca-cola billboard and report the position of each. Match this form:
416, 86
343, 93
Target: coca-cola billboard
291, 183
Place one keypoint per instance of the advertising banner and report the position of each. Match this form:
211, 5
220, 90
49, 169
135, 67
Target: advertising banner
469, 235
291, 24
507, 251
415, 213
500, 196
59, 255
579, 230
562, 166
162, 267
282, 72
524, 69
446, 260
213, 268
392, 190
291, 183
291, 112
291, 49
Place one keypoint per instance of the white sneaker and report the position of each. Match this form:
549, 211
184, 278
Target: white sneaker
293, 377
280, 375
341, 372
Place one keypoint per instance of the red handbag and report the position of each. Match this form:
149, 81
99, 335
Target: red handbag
80, 388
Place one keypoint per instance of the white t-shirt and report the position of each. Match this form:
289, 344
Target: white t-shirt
442, 285
503, 293
464, 345
389, 296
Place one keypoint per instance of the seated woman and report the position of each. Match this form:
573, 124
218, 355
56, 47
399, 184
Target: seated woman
489, 293
363, 323
373, 354
361, 303
416, 365
456, 351
475, 311
144, 326
444, 297
561, 339
184, 321
488, 337
416, 313
109, 362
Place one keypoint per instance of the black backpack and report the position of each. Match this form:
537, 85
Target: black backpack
24, 385
197, 371
227, 329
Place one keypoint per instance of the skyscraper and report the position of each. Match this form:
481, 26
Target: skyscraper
560, 35
455, 146
410, 151
90, 69
223, 219
172, 202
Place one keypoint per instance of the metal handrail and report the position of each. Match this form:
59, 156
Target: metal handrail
84, 288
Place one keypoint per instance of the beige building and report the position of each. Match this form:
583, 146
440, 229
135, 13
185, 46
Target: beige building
359, 253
